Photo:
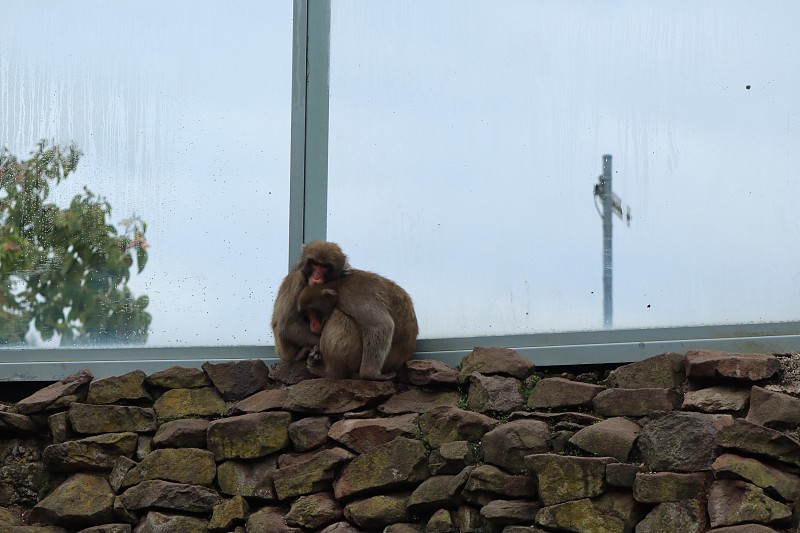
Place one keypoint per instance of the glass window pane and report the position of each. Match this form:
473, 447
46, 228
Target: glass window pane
467, 137
181, 111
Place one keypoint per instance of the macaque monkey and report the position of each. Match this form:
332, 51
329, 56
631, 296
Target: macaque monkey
320, 262
342, 341
367, 326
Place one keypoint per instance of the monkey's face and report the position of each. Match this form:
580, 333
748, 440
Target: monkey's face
317, 273
317, 305
315, 322
323, 262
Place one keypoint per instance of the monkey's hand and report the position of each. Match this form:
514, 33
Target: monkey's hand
302, 353
314, 356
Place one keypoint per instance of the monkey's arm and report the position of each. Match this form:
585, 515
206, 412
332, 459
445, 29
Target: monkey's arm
300, 334
293, 335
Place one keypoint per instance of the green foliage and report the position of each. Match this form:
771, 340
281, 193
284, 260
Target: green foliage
65, 269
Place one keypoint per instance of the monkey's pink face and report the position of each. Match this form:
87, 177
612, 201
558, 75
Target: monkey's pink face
314, 321
318, 272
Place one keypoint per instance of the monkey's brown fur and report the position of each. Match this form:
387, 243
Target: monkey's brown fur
293, 338
370, 328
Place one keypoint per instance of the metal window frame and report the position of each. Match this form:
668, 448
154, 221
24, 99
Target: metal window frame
308, 221
548, 349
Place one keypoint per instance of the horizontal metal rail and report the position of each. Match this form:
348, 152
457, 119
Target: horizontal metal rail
546, 349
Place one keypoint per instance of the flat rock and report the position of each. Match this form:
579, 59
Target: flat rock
418, 401
309, 433
252, 478
448, 424
169, 495
660, 487
269, 520
687, 516
664, 371
510, 512
427, 372
378, 512
739, 366
613, 437
189, 403
613, 512
238, 379
773, 409
120, 470
161, 522
341, 527
14, 424
490, 361
719, 399
485, 483
265, 400
635, 402
72, 387
313, 474
105, 528
181, 465
229, 513
452, 457
331, 396
494, 394
96, 419
564, 478
440, 522
399, 464
127, 387
732, 502
771, 479
184, 433
560, 393
290, 373
178, 377
366, 434
507, 445
249, 436
755, 439
432, 494
82, 500
554, 418
681, 441
314, 511
92, 453
744, 528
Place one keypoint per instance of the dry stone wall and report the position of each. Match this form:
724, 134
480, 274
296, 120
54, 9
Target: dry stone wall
702, 441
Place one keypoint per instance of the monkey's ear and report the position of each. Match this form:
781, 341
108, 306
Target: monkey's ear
329, 293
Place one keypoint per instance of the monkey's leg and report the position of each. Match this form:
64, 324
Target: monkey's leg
377, 340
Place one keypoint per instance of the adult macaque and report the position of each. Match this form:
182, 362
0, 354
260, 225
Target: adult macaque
320, 262
367, 326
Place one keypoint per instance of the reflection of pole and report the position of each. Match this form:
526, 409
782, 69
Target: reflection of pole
612, 205
605, 191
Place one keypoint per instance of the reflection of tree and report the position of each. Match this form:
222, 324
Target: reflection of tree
66, 269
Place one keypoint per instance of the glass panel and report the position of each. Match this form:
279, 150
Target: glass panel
181, 111
467, 137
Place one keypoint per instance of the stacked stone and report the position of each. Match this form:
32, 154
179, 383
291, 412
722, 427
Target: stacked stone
698, 442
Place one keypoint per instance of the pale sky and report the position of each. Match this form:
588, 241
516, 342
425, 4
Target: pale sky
465, 141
